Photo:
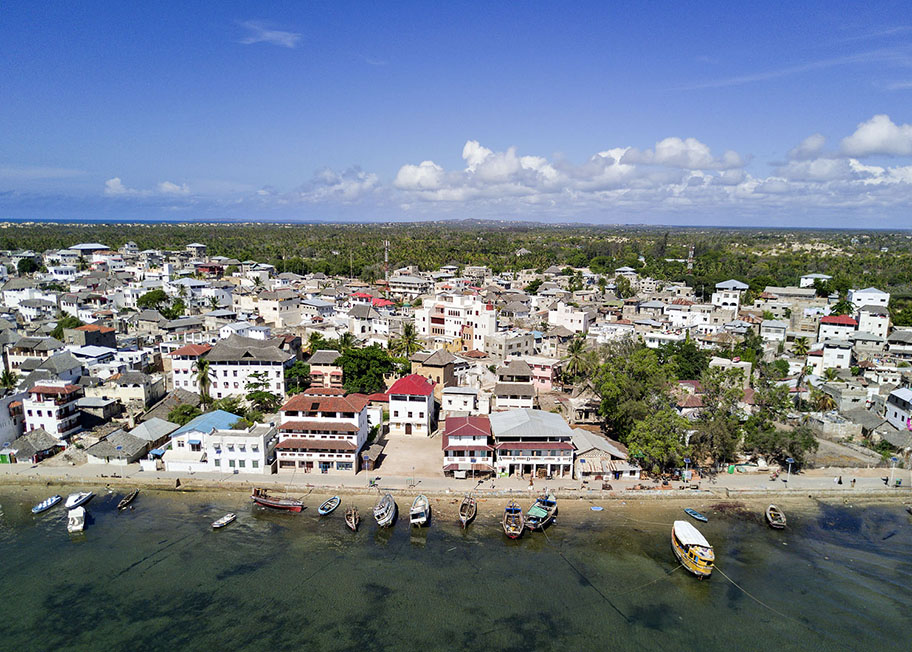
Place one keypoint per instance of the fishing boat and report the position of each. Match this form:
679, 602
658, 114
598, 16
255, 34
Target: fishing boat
46, 504
385, 511
420, 511
513, 521
467, 510
129, 498
76, 519
79, 498
225, 520
329, 506
542, 512
262, 497
775, 517
352, 518
695, 514
692, 549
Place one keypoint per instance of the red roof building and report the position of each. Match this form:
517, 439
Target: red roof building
191, 350
468, 446
412, 385
840, 320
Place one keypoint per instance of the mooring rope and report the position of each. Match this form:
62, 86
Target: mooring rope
658, 579
752, 597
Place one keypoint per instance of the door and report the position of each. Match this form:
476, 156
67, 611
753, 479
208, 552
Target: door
408, 428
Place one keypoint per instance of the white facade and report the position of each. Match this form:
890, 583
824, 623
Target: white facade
898, 408
448, 319
569, 317
322, 433
52, 406
869, 297
242, 451
876, 322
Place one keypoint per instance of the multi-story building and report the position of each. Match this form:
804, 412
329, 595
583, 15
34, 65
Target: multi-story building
411, 406
874, 320
324, 372
571, 318
533, 442
322, 433
246, 450
237, 362
898, 408
52, 406
409, 287
461, 323
869, 297
514, 388
468, 446
836, 327
437, 366
184, 365
728, 294
510, 343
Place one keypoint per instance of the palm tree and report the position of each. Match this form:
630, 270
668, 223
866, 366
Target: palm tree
213, 303
9, 380
830, 374
407, 343
800, 346
823, 402
575, 357
314, 341
204, 380
346, 341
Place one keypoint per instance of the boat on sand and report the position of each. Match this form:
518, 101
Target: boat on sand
692, 549
467, 510
775, 517
513, 520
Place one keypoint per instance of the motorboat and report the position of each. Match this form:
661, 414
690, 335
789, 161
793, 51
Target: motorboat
420, 511
223, 521
385, 511
542, 512
76, 519
692, 549
79, 498
46, 504
513, 520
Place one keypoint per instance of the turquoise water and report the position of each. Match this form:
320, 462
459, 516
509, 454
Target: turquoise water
159, 578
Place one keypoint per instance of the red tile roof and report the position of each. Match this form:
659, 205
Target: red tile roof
324, 391
95, 328
412, 385
308, 403
54, 391
534, 445
315, 444
317, 426
841, 320
468, 426
194, 350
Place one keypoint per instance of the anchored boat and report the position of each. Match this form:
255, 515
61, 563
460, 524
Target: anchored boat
542, 512
262, 497
329, 506
420, 511
692, 549
352, 518
385, 511
77, 499
513, 521
225, 520
695, 514
46, 504
467, 510
126, 500
76, 519
775, 517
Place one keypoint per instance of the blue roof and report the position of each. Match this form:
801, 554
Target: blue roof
215, 420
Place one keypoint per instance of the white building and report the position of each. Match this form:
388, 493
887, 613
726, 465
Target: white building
532, 441
728, 294
570, 318
773, 330
835, 327
807, 281
238, 361
250, 450
462, 322
869, 297
411, 406
52, 406
898, 408
183, 366
409, 287
837, 354
874, 320
321, 431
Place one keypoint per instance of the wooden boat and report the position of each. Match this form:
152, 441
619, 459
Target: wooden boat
420, 511
692, 549
329, 506
129, 498
225, 520
46, 504
695, 514
775, 517
542, 512
262, 497
76, 519
385, 511
467, 510
513, 521
352, 518
79, 498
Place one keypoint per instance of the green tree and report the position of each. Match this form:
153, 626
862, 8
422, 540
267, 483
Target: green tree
230, 403
204, 380
780, 444
532, 288
347, 340
174, 310
297, 377
408, 343
65, 321
800, 347
258, 394
623, 289
686, 359
9, 380
842, 307
658, 440
363, 369
184, 414
27, 266
575, 366
152, 300
718, 431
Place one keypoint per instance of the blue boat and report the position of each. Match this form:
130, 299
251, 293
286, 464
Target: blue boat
329, 506
45, 505
695, 514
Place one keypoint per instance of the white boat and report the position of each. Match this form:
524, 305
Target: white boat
420, 511
77, 499
225, 520
385, 511
46, 504
692, 549
76, 519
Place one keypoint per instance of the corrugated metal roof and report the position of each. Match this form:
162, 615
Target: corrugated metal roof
216, 420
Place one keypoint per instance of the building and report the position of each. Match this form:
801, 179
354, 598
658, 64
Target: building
409, 287
322, 433
468, 447
573, 319
597, 456
869, 297
532, 442
836, 327
90, 335
773, 330
510, 343
514, 388
244, 450
411, 406
808, 280
51, 406
118, 448
324, 372
186, 449
898, 408
237, 362
184, 365
438, 367
460, 400
459, 323
874, 320
728, 294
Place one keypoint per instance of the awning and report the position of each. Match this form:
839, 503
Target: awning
157, 452
196, 442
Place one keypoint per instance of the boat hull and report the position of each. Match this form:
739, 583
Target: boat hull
684, 559
227, 519
285, 504
352, 519
76, 520
385, 511
45, 505
467, 512
329, 506
129, 498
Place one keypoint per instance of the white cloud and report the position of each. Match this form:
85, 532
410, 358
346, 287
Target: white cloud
687, 154
879, 136
260, 33
808, 148
427, 175
347, 186
115, 187
169, 188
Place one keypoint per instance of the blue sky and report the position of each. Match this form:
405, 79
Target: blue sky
685, 113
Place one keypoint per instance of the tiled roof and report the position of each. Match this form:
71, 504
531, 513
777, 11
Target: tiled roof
191, 349
295, 444
840, 320
412, 385
310, 403
317, 426
54, 391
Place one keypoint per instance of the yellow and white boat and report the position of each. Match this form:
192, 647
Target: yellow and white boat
692, 549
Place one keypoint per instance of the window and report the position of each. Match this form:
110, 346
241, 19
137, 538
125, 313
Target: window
217, 462
255, 448
180, 443
231, 463
231, 447
242, 447
255, 464
242, 463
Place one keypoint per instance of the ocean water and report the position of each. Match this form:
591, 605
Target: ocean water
159, 578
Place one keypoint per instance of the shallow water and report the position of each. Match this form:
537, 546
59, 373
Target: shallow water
158, 577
